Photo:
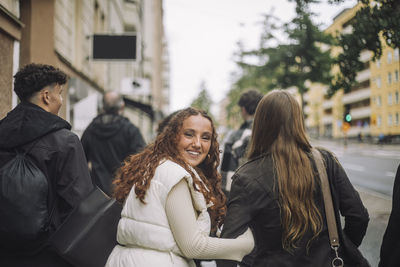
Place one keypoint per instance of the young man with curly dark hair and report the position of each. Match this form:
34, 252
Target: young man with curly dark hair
34, 127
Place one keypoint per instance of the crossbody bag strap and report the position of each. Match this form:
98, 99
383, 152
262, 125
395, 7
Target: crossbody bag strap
329, 211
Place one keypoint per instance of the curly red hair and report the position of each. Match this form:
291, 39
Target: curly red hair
138, 170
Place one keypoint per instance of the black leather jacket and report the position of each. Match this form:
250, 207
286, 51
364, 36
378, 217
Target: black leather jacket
254, 203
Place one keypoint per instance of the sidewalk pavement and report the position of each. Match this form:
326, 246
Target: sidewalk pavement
379, 207
377, 204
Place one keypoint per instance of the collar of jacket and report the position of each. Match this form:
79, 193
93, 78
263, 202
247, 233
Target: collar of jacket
27, 122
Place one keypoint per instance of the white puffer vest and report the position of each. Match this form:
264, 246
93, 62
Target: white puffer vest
144, 234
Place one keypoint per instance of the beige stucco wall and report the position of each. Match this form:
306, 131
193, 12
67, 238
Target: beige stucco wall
6, 63
10, 34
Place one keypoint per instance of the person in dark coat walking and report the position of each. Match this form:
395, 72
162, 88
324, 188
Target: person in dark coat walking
277, 194
235, 147
57, 152
108, 140
390, 249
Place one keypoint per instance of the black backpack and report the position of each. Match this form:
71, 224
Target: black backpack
24, 216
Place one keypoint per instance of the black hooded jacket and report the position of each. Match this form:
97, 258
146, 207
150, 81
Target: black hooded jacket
59, 154
107, 141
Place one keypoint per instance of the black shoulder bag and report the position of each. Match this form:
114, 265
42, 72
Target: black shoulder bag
88, 235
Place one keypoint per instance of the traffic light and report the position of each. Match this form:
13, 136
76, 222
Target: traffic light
346, 114
347, 118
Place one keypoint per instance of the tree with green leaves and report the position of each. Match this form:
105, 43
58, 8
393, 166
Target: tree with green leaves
203, 100
305, 56
374, 21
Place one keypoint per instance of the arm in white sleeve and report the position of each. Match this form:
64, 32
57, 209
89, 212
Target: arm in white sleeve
192, 242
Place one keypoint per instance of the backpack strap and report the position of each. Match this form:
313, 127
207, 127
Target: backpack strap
32, 144
19, 149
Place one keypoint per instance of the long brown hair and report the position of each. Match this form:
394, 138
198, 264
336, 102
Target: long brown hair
278, 128
138, 170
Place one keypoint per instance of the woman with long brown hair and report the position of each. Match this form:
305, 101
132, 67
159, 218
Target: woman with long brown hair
173, 200
277, 193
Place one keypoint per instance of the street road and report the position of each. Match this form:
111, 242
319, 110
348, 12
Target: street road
371, 167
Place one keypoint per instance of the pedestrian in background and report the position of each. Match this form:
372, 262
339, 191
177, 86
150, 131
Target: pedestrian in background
173, 199
108, 140
34, 128
236, 145
390, 249
277, 193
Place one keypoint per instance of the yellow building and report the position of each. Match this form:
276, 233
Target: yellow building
373, 104
385, 85
324, 115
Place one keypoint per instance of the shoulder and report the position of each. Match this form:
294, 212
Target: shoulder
68, 136
62, 136
234, 135
328, 156
62, 140
255, 174
129, 126
91, 126
126, 122
170, 166
255, 164
170, 173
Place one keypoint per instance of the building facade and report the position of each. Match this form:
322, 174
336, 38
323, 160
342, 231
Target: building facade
385, 87
60, 33
373, 103
10, 37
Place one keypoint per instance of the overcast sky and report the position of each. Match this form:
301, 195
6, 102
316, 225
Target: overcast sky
202, 36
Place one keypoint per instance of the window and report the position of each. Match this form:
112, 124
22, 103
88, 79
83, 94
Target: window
390, 99
396, 119
378, 63
378, 101
396, 76
390, 120
389, 57
378, 82
379, 121
396, 97
389, 78
396, 54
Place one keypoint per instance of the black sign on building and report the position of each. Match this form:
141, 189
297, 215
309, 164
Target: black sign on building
114, 47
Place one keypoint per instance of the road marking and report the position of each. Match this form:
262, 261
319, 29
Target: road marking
353, 167
390, 174
383, 154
